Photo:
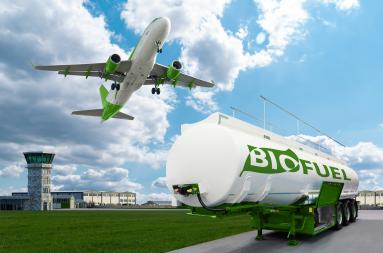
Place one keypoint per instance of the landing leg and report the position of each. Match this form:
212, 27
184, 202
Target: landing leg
259, 236
291, 236
292, 241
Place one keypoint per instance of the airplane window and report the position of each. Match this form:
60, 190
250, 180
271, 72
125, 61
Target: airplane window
154, 20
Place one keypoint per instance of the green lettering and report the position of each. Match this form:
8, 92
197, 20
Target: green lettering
288, 163
306, 166
258, 158
344, 175
318, 170
335, 173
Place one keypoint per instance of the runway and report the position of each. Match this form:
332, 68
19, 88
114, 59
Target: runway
365, 235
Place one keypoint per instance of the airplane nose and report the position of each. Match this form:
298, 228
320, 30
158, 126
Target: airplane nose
165, 23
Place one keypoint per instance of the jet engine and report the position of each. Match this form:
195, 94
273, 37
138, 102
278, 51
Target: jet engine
174, 70
112, 64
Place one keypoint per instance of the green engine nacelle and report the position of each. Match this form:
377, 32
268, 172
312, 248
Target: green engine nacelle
112, 64
174, 70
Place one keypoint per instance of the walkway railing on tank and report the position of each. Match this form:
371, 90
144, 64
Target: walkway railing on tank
274, 128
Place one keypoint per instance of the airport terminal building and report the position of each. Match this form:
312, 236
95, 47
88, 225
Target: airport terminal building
40, 196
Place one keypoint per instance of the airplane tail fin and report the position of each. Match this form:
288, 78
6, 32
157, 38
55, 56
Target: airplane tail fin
98, 113
103, 94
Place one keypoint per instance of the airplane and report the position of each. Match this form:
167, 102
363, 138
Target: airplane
130, 75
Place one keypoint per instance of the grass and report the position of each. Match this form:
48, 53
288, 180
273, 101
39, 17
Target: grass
111, 231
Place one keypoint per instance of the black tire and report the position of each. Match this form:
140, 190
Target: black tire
113, 86
153, 90
339, 216
353, 210
117, 86
158, 91
346, 213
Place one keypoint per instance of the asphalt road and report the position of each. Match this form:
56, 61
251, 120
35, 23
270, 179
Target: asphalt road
365, 235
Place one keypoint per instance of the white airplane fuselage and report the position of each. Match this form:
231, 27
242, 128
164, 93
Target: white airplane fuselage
143, 59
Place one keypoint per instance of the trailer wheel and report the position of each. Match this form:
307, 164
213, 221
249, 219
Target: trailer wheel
339, 216
346, 213
353, 211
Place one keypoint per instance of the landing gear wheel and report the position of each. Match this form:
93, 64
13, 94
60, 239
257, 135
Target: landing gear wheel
346, 213
354, 211
154, 90
117, 86
339, 216
158, 91
113, 86
159, 50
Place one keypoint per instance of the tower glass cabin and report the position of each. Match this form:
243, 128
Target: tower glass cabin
39, 165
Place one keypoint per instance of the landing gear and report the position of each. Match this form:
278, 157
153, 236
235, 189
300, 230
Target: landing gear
158, 44
156, 90
115, 86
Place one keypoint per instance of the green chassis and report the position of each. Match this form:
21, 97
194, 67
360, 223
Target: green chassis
293, 219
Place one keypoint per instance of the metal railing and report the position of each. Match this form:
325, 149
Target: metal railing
272, 127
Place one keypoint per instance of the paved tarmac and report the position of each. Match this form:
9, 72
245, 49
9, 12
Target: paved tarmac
365, 235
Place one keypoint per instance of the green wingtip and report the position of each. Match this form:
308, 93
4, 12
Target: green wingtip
33, 65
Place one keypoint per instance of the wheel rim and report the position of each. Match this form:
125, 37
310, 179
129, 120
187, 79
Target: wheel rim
340, 217
347, 213
353, 211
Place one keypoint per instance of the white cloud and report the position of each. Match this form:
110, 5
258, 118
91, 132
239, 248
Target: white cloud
202, 101
370, 179
210, 51
65, 32
343, 5
159, 182
261, 37
242, 32
8, 190
110, 179
11, 171
365, 157
64, 169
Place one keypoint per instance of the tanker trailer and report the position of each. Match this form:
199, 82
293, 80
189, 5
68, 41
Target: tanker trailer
222, 165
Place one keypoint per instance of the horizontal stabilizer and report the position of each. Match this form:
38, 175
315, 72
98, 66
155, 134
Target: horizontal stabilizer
121, 115
98, 113
95, 113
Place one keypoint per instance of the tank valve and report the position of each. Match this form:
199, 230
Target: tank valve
186, 189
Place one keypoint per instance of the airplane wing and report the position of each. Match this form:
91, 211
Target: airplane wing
182, 80
92, 69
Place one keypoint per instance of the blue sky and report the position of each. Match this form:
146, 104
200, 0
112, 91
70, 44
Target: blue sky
320, 59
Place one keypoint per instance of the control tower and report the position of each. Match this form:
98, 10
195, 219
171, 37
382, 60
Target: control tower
39, 165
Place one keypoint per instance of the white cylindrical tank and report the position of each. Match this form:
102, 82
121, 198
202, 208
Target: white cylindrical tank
233, 161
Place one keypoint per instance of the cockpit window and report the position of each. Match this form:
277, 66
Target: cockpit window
154, 20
